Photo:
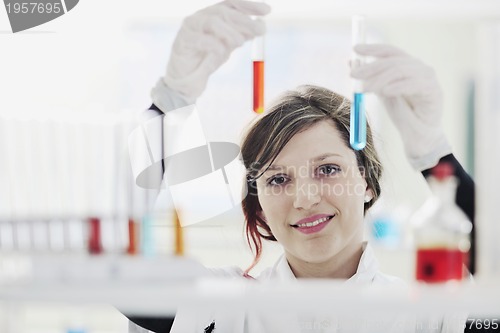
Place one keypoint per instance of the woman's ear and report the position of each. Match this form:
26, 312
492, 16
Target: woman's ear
368, 195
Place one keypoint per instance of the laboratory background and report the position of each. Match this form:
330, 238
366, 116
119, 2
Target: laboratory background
73, 89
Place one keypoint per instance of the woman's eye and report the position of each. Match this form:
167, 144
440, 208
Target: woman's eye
277, 180
328, 170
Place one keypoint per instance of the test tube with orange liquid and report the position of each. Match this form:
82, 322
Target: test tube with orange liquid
133, 237
178, 237
258, 74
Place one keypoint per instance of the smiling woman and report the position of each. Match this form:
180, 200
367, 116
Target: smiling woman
307, 188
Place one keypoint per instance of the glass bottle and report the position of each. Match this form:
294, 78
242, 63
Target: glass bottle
442, 231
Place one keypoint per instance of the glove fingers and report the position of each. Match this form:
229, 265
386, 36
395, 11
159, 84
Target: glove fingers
393, 72
418, 93
379, 50
215, 36
223, 22
249, 7
210, 63
388, 75
236, 19
399, 110
372, 69
243, 24
406, 64
187, 56
205, 43
194, 83
406, 86
207, 38
225, 33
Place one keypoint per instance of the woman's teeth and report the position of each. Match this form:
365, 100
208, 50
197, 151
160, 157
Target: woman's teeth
313, 223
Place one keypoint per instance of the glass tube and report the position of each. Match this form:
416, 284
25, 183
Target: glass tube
179, 238
358, 117
258, 74
94, 239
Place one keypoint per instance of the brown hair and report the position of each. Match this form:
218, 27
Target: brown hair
294, 112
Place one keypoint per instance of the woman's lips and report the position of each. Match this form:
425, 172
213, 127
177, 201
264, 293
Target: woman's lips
313, 224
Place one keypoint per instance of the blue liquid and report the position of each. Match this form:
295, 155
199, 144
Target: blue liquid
358, 123
147, 246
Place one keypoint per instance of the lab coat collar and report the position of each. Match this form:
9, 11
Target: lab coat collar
367, 268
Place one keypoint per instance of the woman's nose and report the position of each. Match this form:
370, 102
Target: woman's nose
307, 194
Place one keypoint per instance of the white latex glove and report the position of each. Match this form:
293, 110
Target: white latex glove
412, 96
205, 41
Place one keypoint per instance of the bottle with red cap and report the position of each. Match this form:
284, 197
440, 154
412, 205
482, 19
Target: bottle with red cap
442, 231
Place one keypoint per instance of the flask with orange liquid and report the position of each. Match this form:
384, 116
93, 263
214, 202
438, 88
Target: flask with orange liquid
442, 231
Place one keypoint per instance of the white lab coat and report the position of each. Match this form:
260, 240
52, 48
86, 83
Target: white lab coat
189, 321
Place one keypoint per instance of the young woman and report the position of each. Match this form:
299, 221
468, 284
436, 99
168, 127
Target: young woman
307, 189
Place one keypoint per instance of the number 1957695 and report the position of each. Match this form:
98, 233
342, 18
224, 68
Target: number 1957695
34, 7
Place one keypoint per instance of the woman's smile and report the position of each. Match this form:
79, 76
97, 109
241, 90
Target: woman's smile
313, 224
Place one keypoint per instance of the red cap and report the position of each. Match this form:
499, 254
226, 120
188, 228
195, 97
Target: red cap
443, 170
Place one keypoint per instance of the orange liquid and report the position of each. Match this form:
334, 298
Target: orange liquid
132, 237
258, 86
179, 238
94, 241
440, 264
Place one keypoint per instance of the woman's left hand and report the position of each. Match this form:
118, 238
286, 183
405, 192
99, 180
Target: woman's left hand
412, 96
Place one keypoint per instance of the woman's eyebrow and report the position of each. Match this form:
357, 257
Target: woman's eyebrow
325, 156
315, 159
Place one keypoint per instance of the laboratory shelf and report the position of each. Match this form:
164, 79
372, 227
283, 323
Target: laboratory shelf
158, 286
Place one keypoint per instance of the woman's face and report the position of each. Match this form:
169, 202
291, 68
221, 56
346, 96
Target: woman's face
312, 196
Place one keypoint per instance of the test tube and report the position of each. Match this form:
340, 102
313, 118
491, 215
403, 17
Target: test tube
258, 74
94, 238
147, 240
133, 223
92, 163
179, 238
133, 237
146, 231
358, 117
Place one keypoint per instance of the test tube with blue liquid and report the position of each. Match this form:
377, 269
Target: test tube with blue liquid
358, 117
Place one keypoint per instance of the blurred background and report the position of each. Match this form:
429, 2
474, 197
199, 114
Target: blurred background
72, 88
